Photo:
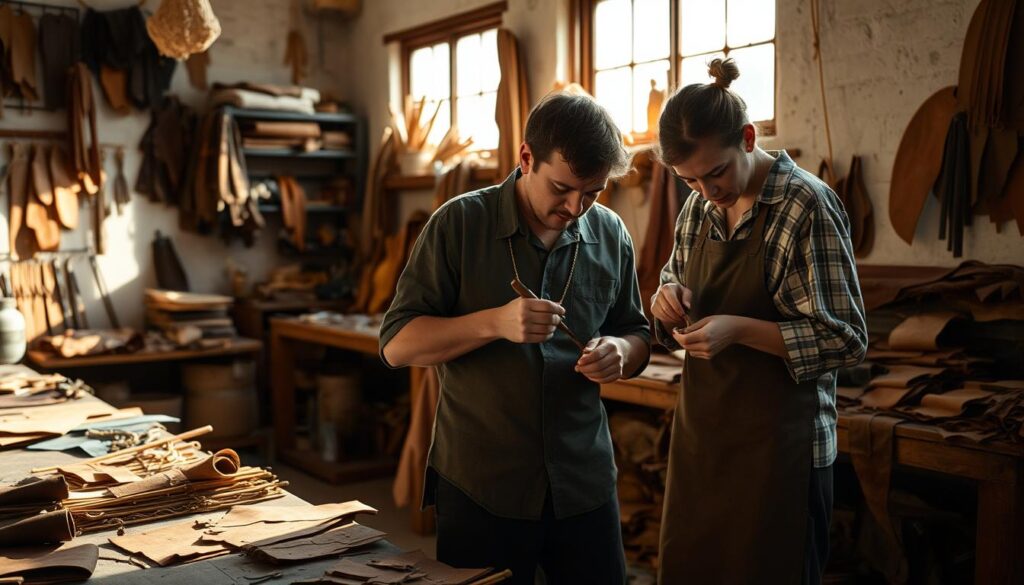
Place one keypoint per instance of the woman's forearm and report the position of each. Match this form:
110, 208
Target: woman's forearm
762, 335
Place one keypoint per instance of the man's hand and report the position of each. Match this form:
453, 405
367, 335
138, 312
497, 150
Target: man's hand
705, 338
603, 360
670, 305
528, 320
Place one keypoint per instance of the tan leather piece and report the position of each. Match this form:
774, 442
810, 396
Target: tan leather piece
54, 310
65, 188
168, 545
920, 332
919, 161
85, 153
49, 565
22, 55
223, 463
41, 174
1010, 205
266, 525
45, 528
22, 241
269, 129
114, 83
39, 212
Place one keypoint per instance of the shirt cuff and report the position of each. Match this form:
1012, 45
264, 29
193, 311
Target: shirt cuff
387, 332
800, 341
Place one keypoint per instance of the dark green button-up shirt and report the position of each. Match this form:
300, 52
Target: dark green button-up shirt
514, 420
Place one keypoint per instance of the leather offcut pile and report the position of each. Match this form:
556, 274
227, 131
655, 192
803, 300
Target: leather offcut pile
21, 387
641, 455
278, 534
945, 350
412, 567
964, 142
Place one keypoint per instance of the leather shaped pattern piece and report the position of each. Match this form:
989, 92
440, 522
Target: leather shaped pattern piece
333, 542
46, 528
65, 188
919, 161
168, 545
49, 565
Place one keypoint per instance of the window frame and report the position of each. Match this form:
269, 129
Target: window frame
581, 50
447, 30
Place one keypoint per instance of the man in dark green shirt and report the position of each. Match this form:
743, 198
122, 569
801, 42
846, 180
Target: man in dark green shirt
521, 467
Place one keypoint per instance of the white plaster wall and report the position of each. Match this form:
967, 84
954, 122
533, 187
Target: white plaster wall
251, 48
883, 58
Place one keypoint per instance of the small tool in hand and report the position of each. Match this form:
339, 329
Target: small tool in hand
524, 292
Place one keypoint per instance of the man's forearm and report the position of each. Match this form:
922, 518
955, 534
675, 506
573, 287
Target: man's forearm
429, 341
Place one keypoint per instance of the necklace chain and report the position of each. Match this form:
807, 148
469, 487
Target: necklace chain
572, 266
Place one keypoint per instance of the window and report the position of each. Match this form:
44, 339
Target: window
454, 63
634, 46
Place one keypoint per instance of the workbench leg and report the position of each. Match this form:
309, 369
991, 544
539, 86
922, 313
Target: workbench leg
1000, 531
282, 380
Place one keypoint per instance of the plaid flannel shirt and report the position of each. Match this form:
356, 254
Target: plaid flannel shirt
810, 272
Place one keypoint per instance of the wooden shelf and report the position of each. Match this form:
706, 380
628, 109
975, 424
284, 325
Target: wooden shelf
338, 472
237, 346
275, 115
426, 182
299, 154
310, 208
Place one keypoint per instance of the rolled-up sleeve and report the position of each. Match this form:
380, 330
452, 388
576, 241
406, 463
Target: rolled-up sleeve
820, 295
429, 283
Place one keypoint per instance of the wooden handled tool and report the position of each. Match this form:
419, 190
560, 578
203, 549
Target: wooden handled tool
523, 291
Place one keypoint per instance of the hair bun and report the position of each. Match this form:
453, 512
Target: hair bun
724, 71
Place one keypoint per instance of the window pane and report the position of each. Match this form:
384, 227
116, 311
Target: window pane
650, 30
612, 26
701, 26
429, 71
751, 21
695, 69
756, 83
441, 124
476, 119
490, 74
467, 65
613, 90
642, 77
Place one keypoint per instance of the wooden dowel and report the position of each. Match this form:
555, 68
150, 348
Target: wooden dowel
182, 437
495, 578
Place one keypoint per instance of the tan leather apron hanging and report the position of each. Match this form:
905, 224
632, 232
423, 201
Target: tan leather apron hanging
740, 462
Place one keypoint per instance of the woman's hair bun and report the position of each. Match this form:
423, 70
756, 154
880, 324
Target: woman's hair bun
724, 71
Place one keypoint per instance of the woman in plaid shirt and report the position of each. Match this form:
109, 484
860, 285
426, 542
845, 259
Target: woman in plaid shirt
762, 293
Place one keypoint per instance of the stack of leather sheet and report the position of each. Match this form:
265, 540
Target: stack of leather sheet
122, 490
277, 533
412, 567
23, 426
186, 318
262, 96
272, 135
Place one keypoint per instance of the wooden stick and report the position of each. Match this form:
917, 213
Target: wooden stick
526, 293
182, 437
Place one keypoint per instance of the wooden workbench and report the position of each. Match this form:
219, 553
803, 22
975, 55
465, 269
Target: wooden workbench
997, 470
48, 361
235, 568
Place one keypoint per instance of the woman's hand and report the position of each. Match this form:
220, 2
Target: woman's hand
670, 305
705, 338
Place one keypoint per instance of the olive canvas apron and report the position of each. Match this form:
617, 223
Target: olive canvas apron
741, 453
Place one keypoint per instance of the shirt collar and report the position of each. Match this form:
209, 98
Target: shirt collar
507, 221
775, 183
